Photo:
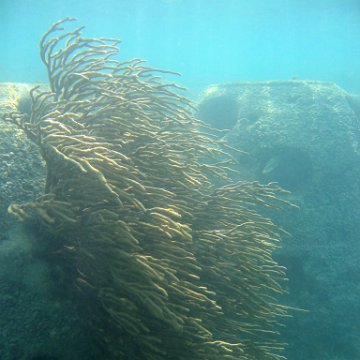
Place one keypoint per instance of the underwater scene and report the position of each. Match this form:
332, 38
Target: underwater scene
180, 180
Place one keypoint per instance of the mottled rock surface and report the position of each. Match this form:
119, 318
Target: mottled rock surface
305, 135
37, 318
22, 172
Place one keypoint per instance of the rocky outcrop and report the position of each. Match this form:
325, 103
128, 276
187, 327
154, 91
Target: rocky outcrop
22, 172
305, 135
37, 320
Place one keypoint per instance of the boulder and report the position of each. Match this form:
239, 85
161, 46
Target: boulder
305, 136
37, 319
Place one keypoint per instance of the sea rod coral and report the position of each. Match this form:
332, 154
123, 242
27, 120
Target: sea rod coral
176, 266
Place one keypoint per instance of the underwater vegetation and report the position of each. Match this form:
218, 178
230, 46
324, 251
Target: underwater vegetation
170, 265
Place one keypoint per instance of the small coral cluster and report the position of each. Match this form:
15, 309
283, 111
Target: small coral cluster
177, 267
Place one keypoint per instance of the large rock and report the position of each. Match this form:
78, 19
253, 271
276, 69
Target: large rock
37, 319
22, 171
305, 135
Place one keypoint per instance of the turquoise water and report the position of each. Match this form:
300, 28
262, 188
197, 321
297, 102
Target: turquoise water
301, 134
208, 41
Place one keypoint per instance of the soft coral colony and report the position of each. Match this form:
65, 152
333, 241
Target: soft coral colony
177, 267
